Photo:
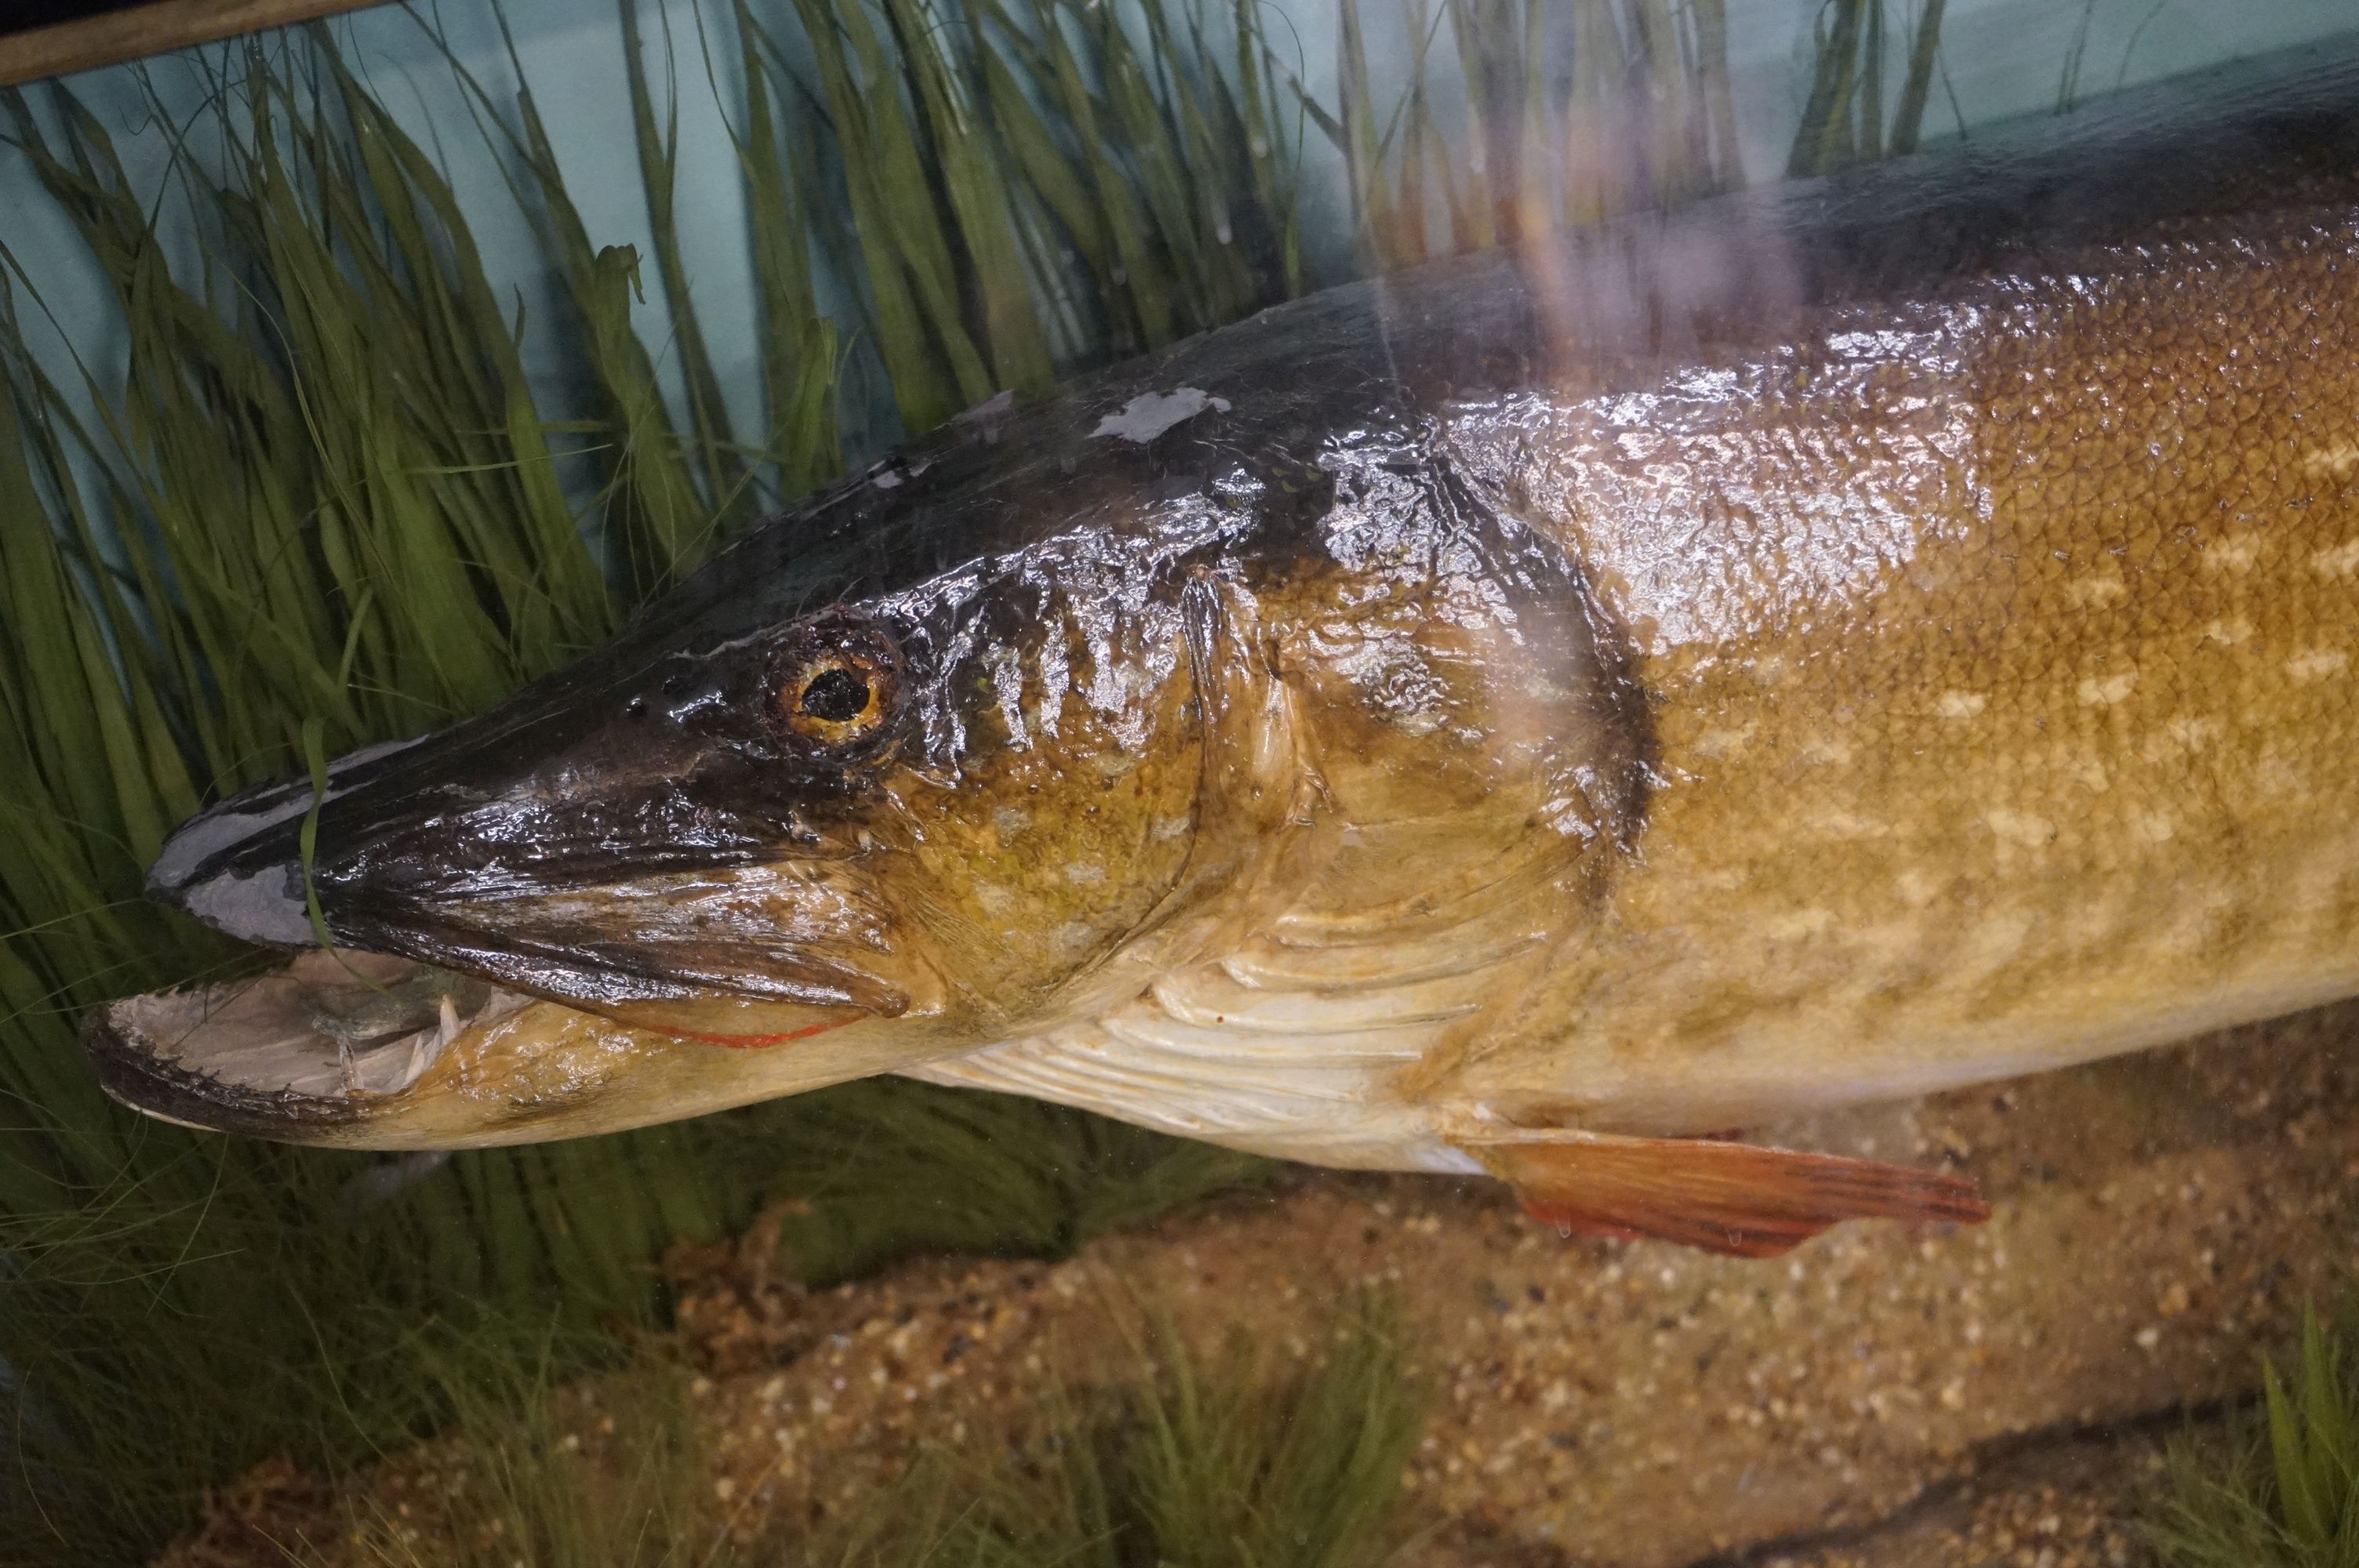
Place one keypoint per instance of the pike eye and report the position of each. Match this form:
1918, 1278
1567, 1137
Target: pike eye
835, 683
836, 696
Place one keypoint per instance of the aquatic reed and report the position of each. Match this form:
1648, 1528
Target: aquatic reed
1240, 1459
1845, 118
2285, 1492
523, 1485
1573, 113
1236, 1459
326, 510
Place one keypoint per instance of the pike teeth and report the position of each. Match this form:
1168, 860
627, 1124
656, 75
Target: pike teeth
426, 1047
394, 1066
278, 1035
418, 1053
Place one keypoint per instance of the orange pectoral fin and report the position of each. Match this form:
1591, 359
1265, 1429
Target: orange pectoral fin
1733, 1198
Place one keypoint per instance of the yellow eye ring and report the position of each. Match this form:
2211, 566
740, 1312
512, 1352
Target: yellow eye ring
840, 693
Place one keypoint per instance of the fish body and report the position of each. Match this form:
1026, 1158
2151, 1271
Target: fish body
1821, 646
1995, 641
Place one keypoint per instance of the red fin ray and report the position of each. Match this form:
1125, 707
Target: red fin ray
1737, 1199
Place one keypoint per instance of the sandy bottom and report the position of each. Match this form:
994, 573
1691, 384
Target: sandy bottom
1989, 1396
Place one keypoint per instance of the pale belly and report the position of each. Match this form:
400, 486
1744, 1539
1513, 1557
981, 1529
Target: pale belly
1411, 1076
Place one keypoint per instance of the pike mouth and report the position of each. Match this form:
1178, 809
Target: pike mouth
326, 1039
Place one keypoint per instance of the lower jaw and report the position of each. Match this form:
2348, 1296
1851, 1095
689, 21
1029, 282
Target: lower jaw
363, 1049
299, 1051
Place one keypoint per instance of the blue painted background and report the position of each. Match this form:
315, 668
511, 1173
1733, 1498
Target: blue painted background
2000, 58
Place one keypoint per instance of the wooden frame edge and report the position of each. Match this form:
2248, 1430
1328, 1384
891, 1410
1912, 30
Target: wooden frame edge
151, 29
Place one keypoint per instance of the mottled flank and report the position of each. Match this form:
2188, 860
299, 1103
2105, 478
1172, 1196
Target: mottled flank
1965, 775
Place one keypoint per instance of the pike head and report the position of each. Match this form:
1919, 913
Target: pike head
949, 754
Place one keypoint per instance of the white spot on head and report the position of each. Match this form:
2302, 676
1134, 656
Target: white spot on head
2152, 827
351, 759
265, 906
208, 833
1010, 821
2107, 690
1150, 414
885, 479
1080, 873
994, 899
1960, 704
202, 837
1166, 828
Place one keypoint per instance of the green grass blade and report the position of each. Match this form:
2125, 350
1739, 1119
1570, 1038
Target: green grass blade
799, 343
708, 411
974, 181
1909, 118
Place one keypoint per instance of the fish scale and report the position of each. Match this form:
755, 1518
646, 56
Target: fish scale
2027, 853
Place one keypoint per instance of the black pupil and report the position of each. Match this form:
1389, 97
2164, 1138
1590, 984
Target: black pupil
836, 696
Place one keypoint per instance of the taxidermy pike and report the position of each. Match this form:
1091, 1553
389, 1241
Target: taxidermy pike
1822, 645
